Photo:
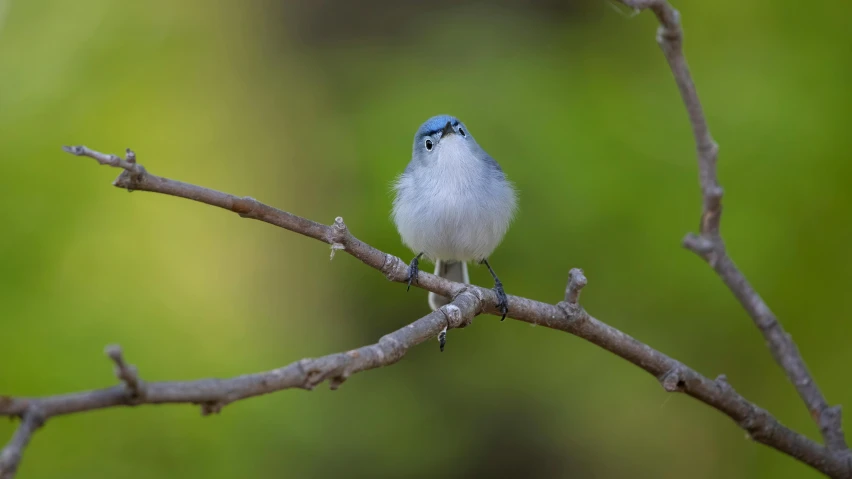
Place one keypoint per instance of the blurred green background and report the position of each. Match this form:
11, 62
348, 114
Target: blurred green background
311, 107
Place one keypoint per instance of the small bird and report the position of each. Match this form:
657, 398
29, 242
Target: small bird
453, 204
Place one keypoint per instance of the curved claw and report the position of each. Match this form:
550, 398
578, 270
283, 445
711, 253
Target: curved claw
502, 299
413, 271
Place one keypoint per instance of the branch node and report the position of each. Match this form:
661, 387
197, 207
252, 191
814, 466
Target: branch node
573, 311
477, 295
758, 424
709, 147
133, 173
211, 407
831, 425
394, 268
576, 282
571, 305
723, 384
454, 316
313, 374
128, 374
338, 235
714, 194
336, 381
673, 380
34, 416
699, 244
244, 207
669, 33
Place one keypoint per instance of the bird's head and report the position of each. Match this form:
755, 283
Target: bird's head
442, 134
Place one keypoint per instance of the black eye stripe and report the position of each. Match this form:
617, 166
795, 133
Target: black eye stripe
438, 130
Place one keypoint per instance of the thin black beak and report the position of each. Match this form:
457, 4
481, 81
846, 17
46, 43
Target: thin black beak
448, 130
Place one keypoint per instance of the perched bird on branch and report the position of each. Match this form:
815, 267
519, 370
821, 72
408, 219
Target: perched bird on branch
453, 204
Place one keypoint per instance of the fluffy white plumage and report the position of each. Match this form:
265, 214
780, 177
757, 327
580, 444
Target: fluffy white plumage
453, 203
454, 208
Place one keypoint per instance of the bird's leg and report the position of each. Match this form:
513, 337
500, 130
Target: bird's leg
413, 270
502, 299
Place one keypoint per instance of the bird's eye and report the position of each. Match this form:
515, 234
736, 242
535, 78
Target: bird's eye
428, 144
461, 132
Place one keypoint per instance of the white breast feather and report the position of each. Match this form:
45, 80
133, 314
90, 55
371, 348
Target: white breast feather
457, 208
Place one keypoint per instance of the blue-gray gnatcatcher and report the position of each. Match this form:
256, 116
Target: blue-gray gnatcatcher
453, 204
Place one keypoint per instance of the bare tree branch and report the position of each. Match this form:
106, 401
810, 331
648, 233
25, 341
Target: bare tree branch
213, 394
10, 456
709, 245
468, 301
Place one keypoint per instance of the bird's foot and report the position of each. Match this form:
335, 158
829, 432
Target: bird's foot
413, 270
502, 299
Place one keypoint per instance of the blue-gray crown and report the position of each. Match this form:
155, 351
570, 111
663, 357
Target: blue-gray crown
434, 125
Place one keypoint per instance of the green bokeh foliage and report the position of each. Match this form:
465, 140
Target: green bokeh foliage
584, 117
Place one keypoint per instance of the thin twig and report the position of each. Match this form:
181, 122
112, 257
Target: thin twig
470, 300
32, 418
576, 283
126, 373
708, 244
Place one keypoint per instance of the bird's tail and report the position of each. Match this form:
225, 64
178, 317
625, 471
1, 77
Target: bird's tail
453, 271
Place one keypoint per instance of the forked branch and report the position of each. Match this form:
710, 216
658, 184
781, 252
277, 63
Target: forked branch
708, 243
469, 301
